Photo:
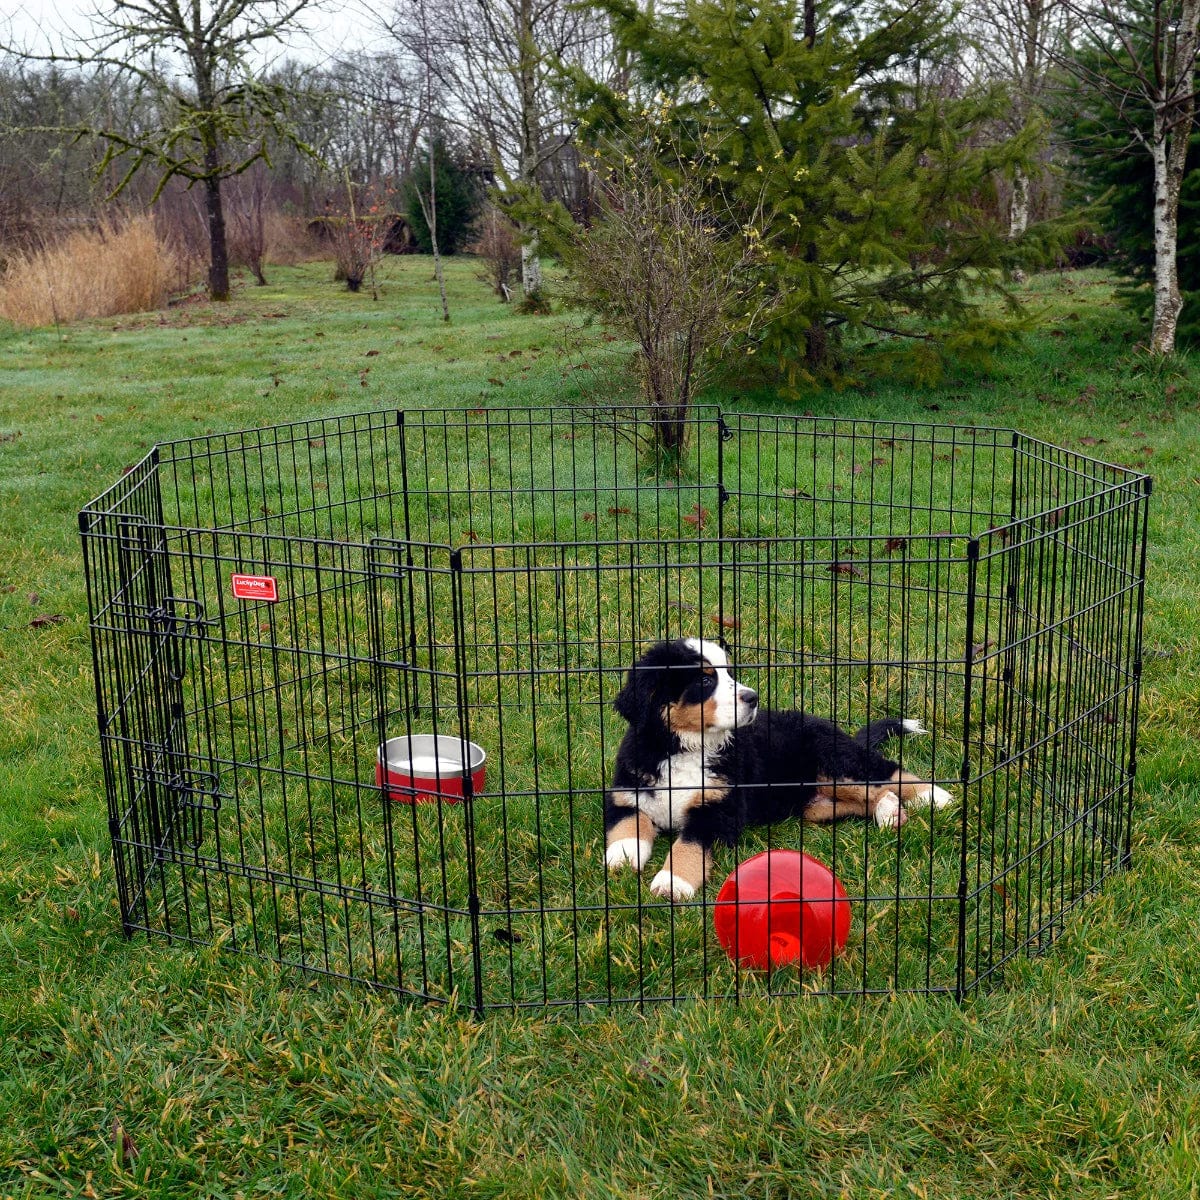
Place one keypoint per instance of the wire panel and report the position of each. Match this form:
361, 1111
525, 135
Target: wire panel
272, 607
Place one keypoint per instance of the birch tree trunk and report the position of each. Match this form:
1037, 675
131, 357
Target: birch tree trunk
531, 264
1167, 301
1173, 120
1018, 211
1029, 41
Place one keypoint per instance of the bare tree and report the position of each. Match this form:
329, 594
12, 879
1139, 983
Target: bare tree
45, 173
1015, 42
249, 210
497, 60
364, 114
1141, 57
428, 200
211, 116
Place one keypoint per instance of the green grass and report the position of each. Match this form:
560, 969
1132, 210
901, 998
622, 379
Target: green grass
135, 1069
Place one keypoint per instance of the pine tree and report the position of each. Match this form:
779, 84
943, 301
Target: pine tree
875, 190
460, 194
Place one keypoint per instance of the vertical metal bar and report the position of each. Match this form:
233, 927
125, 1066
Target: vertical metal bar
960, 986
411, 677
464, 718
1147, 489
376, 631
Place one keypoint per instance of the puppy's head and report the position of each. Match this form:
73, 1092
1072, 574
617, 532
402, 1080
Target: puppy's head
687, 685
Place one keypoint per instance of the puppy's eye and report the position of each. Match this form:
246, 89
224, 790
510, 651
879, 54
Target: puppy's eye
708, 683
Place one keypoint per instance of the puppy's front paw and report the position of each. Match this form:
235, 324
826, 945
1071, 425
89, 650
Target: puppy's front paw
934, 796
671, 887
889, 812
633, 851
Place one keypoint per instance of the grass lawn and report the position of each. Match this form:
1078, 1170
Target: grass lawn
129, 1069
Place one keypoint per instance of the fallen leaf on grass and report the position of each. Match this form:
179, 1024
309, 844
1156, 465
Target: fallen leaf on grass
44, 619
846, 568
894, 544
123, 1143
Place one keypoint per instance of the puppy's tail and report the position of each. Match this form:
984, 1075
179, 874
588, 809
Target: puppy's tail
874, 735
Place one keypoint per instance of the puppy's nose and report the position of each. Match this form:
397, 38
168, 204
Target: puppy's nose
748, 698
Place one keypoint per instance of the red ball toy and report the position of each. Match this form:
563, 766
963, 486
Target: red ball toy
780, 906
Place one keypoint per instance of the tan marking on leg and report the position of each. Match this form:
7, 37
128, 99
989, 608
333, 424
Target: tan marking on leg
820, 809
630, 842
636, 825
690, 862
684, 871
848, 798
915, 790
906, 785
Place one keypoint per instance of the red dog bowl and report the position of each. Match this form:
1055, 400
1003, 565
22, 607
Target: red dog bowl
428, 767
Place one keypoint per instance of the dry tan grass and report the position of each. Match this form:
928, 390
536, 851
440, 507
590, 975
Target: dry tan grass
100, 272
291, 241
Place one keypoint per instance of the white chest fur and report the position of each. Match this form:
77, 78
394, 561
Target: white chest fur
682, 780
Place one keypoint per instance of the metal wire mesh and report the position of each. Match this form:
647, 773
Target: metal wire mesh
489, 576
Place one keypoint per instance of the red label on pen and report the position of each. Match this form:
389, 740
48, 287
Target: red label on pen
254, 587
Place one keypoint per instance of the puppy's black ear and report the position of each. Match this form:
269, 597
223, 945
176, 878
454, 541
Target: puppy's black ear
635, 698
649, 681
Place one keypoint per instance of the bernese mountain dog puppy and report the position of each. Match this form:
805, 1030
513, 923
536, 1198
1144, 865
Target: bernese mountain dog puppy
702, 760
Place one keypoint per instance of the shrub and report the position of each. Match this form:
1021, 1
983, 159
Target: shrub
246, 209
664, 265
498, 245
358, 233
99, 272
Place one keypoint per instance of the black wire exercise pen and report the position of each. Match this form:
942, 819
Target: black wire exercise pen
271, 610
